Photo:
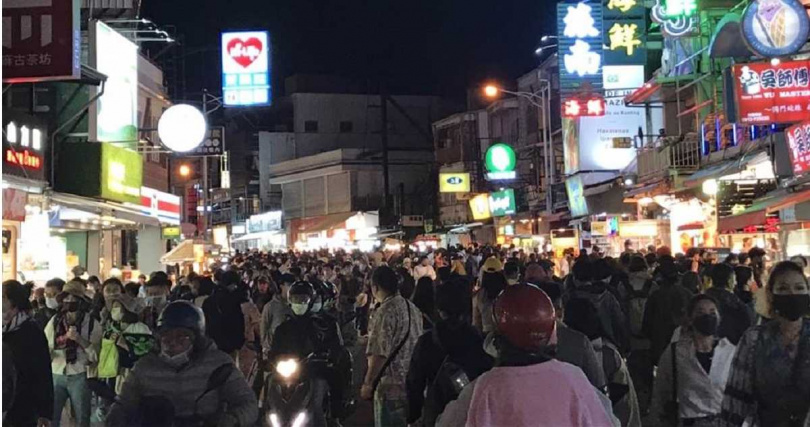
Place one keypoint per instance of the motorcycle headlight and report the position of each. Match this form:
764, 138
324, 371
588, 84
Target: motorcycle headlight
287, 368
274, 422
299, 420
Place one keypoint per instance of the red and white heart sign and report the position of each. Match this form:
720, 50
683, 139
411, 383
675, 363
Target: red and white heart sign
244, 52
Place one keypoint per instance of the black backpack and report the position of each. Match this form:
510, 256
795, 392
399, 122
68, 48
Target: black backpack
450, 379
225, 322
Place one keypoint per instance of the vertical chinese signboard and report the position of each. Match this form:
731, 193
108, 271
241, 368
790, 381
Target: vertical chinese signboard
798, 137
579, 36
767, 93
246, 68
625, 35
41, 40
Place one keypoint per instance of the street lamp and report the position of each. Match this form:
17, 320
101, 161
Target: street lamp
491, 91
184, 170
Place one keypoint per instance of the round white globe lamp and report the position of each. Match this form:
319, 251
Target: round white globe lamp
182, 128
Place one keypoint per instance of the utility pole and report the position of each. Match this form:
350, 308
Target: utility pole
384, 143
205, 173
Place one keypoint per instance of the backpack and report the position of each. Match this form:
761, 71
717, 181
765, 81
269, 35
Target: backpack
450, 379
225, 322
636, 304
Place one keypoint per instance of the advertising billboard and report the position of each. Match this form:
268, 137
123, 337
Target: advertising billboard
246, 68
479, 205
502, 202
595, 142
268, 221
41, 40
455, 182
798, 138
121, 174
114, 117
577, 203
767, 93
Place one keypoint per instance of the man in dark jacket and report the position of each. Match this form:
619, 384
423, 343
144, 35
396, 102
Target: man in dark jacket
666, 308
33, 394
452, 340
224, 320
735, 317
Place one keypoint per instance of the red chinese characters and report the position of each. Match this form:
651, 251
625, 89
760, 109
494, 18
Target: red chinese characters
767, 93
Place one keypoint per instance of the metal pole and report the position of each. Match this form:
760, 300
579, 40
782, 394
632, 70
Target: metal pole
205, 173
384, 142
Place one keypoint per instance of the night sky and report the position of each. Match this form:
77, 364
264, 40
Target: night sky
422, 47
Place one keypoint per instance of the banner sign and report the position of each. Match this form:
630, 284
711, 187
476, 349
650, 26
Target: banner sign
502, 202
41, 40
798, 137
246, 68
769, 93
456, 182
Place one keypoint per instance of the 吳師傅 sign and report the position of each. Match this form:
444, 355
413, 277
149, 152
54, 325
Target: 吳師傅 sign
41, 40
768, 93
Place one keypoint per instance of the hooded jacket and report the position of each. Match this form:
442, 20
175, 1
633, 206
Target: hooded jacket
152, 376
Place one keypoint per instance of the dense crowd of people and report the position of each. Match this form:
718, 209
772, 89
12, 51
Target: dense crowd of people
477, 336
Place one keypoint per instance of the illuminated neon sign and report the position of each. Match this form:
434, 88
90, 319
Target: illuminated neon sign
676, 22
579, 40
246, 68
23, 150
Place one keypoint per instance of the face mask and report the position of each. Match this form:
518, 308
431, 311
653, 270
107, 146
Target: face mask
51, 303
177, 360
71, 306
116, 314
706, 324
156, 301
316, 307
299, 309
791, 307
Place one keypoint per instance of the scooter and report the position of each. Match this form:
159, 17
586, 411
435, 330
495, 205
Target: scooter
294, 396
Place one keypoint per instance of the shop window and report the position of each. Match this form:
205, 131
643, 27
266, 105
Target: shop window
311, 126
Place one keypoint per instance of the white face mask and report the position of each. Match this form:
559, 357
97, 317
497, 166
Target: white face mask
156, 301
177, 360
316, 307
117, 314
299, 309
51, 303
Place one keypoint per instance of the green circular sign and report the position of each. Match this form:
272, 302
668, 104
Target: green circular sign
500, 158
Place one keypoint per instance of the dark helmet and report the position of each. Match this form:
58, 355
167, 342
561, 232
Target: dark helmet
301, 292
182, 314
524, 316
302, 287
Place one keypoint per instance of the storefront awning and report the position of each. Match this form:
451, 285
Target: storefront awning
724, 168
325, 222
757, 213
256, 236
101, 207
184, 252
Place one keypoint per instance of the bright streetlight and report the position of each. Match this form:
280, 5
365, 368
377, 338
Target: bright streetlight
185, 170
491, 91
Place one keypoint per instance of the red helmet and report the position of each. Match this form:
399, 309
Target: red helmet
524, 315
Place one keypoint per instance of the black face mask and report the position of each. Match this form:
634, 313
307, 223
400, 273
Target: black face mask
706, 324
791, 307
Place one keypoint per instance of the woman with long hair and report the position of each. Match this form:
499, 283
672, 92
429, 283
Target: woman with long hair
770, 375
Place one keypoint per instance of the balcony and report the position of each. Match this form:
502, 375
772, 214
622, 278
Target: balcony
668, 159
